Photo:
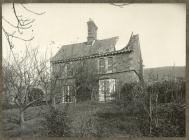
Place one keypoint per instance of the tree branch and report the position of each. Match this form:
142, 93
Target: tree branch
32, 11
30, 103
11, 35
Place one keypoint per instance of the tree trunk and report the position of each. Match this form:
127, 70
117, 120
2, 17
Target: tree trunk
54, 102
46, 98
156, 110
22, 119
150, 117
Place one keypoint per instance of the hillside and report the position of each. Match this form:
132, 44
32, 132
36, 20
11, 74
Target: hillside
163, 73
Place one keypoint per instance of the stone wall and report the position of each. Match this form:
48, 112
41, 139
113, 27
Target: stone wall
124, 66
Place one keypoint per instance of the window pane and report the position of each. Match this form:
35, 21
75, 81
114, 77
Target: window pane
68, 93
101, 62
106, 89
101, 90
110, 64
69, 69
102, 65
110, 60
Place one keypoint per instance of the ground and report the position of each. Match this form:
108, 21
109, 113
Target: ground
32, 126
96, 119
86, 119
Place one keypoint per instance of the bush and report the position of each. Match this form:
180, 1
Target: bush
57, 122
171, 120
83, 94
167, 105
168, 91
84, 124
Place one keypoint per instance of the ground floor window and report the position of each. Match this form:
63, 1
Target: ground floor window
106, 89
68, 94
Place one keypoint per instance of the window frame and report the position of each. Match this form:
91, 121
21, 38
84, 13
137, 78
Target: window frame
109, 65
105, 89
69, 69
67, 91
102, 67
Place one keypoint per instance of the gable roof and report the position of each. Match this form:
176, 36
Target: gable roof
84, 49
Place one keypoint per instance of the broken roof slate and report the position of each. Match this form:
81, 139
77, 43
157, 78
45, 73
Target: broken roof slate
83, 49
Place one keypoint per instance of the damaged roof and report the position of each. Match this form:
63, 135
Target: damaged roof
85, 49
133, 39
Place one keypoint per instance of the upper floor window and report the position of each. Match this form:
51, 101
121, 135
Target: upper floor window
106, 65
110, 64
102, 65
69, 69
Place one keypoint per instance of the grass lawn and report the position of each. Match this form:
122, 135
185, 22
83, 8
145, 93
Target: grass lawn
32, 126
87, 119
102, 119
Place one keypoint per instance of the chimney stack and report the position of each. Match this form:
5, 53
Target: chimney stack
92, 31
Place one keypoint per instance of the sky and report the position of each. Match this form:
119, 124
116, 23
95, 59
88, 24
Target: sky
161, 28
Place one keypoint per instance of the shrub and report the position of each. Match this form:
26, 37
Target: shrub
57, 122
167, 106
169, 91
83, 94
84, 124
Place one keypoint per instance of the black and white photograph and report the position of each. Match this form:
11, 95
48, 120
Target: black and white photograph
86, 70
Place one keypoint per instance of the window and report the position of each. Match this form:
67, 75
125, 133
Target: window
65, 70
106, 65
56, 70
106, 89
102, 65
67, 94
69, 69
110, 64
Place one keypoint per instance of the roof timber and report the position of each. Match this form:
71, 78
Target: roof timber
92, 56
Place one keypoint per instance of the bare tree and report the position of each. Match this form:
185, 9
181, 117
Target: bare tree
23, 73
21, 77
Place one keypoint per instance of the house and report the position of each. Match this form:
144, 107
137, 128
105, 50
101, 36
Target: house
97, 64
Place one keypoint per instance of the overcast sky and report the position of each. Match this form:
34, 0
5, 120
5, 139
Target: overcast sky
161, 28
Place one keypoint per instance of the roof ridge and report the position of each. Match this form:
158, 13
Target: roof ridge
109, 38
86, 41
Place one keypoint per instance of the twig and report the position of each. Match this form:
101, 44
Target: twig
32, 11
11, 35
13, 24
